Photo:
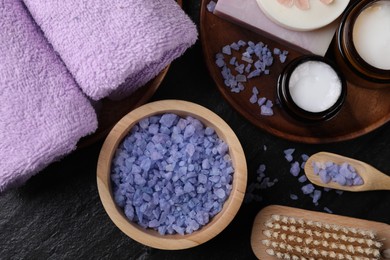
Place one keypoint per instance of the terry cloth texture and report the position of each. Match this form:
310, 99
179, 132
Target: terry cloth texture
43, 113
114, 47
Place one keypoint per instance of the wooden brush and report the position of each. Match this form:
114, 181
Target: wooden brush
281, 232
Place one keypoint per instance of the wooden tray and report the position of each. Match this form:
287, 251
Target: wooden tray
111, 111
364, 110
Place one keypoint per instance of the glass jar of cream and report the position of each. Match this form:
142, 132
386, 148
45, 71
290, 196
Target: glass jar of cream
363, 43
311, 89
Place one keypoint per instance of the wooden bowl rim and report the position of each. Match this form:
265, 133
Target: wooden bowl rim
151, 237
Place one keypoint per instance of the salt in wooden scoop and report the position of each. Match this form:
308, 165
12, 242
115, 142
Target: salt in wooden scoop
373, 179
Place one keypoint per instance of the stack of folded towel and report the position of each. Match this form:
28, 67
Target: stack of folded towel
56, 53
106, 44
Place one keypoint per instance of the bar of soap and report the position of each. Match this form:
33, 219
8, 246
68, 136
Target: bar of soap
248, 14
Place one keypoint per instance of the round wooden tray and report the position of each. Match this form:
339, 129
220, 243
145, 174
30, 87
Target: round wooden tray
111, 111
364, 110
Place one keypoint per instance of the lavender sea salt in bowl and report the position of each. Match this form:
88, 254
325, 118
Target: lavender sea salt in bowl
182, 191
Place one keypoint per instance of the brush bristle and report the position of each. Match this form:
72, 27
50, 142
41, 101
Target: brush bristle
299, 239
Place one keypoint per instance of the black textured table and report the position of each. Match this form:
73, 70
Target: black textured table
58, 214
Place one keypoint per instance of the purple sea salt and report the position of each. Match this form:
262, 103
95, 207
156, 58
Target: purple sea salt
163, 178
266, 111
227, 50
253, 99
344, 174
261, 101
308, 188
211, 6
235, 46
316, 196
295, 169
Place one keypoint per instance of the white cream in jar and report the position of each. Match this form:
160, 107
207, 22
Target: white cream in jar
314, 86
371, 34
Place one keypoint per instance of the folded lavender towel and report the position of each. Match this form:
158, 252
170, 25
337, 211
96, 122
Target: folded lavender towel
42, 111
114, 47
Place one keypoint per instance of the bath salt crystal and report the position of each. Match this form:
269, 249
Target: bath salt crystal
227, 50
303, 165
344, 174
293, 197
328, 210
233, 60
220, 63
240, 68
255, 90
266, 111
289, 151
261, 101
254, 73
168, 119
219, 56
316, 196
282, 58
235, 46
248, 67
246, 59
295, 169
302, 179
304, 157
307, 189
240, 86
211, 6
277, 51
241, 43
253, 99
151, 171
241, 78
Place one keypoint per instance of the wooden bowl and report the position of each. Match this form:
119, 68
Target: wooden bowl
151, 237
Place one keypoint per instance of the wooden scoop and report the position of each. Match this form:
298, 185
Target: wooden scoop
373, 179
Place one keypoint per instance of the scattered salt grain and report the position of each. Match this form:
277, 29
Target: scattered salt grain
233, 60
295, 169
227, 50
316, 196
328, 210
302, 178
240, 78
293, 197
253, 99
277, 51
289, 151
163, 181
308, 188
220, 62
262, 182
266, 111
241, 43
261, 101
211, 6
235, 46
258, 54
